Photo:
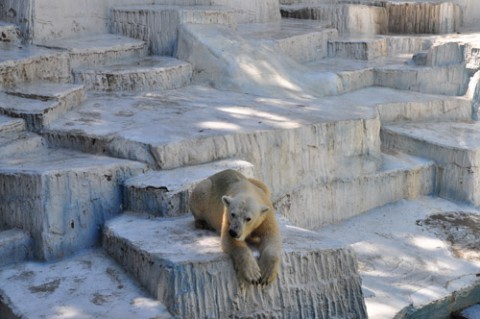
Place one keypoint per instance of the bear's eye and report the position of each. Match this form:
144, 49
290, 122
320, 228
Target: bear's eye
248, 219
233, 215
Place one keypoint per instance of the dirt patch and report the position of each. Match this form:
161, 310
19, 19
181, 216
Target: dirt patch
48, 287
460, 229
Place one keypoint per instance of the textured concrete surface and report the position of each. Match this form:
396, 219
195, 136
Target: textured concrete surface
86, 286
408, 269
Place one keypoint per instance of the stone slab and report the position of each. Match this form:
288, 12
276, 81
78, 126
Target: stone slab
408, 269
61, 197
40, 103
453, 145
360, 49
99, 49
87, 286
15, 246
146, 74
187, 271
167, 193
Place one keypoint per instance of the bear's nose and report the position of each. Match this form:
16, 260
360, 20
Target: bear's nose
233, 233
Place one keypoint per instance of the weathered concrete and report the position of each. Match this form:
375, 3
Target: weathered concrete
9, 33
61, 197
99, 49
302, 40
15, 246
158, 25
87, 286
229, 62
361, 49
408, 270
11, 129
346, 18
29, 63
187, 270
453, 145
40, 103
150, 73
166, 193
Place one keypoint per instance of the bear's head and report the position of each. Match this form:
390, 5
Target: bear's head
244, 214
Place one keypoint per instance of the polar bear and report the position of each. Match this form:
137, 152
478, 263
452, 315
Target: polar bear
240, 209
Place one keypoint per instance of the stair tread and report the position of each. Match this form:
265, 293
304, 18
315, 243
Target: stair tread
93, 43
146, 64
88, 285
405, 258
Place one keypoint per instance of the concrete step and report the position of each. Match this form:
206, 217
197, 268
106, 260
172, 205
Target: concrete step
417, 258
301, 40
186, 270
27, 63
89, 285
11, 129
452, 145
157, 25
347, 18
166, 193
40, 103
9, 33
61, 197
397, 176
98, 50
149, 73
15, 246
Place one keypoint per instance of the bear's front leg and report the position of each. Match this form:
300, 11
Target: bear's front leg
244, 263
269, 262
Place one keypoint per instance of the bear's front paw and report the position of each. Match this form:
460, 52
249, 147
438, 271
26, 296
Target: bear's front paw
250, 272
269, 268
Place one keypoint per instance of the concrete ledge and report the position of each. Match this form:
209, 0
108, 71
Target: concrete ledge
187, 271
357, 49
150, 73
167, 193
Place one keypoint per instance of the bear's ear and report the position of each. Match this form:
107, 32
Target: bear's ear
226, 200
264, 209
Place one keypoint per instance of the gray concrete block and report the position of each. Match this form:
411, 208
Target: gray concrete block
187, 271
167, 193
61, 197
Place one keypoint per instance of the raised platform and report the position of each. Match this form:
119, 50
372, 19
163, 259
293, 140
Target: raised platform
186, 270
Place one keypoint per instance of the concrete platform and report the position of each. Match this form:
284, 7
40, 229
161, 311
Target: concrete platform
418, 259
87, 286
187, 271
145, 74
453, 145
11, 129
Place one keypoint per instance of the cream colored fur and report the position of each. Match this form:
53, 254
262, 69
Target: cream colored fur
240, 209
